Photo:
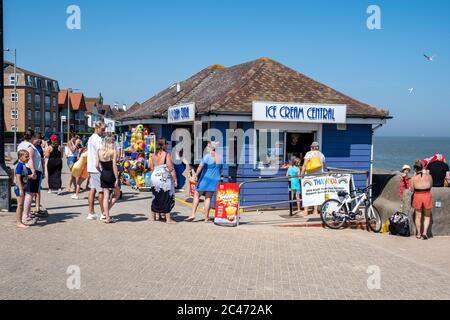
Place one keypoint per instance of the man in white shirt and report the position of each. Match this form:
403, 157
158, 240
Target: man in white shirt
94, 144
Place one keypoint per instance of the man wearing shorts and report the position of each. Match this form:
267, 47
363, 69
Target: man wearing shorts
95, 143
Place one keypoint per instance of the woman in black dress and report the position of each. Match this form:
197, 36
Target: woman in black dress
164, 181
54, 165
109, 177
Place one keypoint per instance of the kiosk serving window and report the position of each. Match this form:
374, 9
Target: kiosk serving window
269, 149
297, 145
276, 148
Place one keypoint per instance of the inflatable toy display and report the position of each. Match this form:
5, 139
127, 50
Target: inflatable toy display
138, 145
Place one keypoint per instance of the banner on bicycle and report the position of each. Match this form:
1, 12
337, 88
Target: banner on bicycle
316, 190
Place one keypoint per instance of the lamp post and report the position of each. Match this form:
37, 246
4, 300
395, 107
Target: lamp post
15, 96
69, 92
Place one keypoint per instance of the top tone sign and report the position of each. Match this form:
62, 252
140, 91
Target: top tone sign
299, 112
181, 113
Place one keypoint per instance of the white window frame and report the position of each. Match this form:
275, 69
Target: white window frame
12, 79
15, 114
37, 129
315, 128
30, 115
14, 95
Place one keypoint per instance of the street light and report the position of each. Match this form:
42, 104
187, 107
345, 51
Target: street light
69, 91
15, 96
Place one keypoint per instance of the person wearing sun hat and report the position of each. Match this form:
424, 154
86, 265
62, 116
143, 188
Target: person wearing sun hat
54, 155
315, 164
405, 180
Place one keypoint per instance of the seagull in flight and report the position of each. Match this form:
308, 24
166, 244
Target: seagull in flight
429, 58
411, 90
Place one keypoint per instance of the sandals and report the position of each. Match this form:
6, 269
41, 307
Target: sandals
111, 220
424, 237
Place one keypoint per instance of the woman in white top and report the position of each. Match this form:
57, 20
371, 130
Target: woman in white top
314, 155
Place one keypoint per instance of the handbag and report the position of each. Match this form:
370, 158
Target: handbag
399, 225
314, 164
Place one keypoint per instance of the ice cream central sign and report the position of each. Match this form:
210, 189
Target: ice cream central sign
288, 112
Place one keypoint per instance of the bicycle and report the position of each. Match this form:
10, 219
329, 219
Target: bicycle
336, 213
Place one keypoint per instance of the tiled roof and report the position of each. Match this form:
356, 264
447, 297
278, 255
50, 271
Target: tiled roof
232, 90
105, 109
91, 103
77, 101
8, 64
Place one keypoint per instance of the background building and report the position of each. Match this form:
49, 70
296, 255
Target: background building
78, 121
36, 101
92, 114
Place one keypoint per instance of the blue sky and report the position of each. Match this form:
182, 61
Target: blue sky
130, 50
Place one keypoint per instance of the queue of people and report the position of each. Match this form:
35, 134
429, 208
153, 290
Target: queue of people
429, 174
97, 162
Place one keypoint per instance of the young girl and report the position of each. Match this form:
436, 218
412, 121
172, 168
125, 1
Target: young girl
293, 173
109, 177
22, 175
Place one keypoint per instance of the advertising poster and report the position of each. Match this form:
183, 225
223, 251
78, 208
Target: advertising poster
316, 190
227, 204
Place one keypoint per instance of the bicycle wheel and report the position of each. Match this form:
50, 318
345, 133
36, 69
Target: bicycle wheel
331, 216
373, 219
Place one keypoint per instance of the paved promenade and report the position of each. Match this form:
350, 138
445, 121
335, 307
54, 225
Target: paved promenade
140, 259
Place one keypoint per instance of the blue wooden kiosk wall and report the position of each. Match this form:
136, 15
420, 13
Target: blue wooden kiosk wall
344, 149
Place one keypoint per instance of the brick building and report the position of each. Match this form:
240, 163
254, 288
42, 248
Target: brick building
36, 101
78, 121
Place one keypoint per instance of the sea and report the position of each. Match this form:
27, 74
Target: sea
391, 153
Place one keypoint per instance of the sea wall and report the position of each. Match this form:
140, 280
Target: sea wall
389, 202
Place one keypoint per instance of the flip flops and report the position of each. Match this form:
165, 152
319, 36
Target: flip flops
111, 220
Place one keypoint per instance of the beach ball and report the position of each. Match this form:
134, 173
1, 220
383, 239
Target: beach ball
139, 136
140, 166
133, 130
133, 166
127, 164
140, 182
137, 148
140, 128
126, 176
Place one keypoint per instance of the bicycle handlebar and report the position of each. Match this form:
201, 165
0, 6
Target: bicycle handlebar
365, 189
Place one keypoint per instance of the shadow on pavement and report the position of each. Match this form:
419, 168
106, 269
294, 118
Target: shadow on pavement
56, 218
128, 217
